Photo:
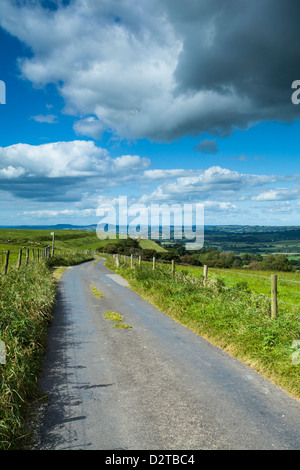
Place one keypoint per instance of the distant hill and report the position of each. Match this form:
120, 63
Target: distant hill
51, 227
236, 238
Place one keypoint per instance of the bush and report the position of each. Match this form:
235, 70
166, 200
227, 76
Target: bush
148, 253
27, 296
68, 259
26, 299
276, 263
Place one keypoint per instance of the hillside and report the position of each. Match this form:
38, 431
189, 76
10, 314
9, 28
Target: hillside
236, 238
65, 239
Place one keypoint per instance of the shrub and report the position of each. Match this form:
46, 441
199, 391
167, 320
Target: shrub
26, 299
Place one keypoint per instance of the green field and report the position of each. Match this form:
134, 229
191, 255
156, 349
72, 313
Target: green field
76, 240
65, 240
257, 282
254, 282
146, 244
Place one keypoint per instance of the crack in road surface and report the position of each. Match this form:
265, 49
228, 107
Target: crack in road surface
154, 386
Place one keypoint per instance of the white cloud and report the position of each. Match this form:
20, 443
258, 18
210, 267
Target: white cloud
202, 184
279, 194
64, 159
11, 172
65, 171
49, 213
90, 127
48, 118
162, 175
215, 206
117, 68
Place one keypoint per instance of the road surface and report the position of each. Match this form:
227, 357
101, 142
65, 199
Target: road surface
154, 386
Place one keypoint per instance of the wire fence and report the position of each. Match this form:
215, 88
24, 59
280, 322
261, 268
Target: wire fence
16, 258
270, 282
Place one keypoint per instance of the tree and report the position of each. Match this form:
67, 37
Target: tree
276, 263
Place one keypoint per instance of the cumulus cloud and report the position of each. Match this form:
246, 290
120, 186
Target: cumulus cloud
279, 194
203, 185
163, 68
89, 127
215, 206
53, 169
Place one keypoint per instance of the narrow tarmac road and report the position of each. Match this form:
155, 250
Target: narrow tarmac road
155, 386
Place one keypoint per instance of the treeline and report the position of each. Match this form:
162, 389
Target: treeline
227, 259
206, 256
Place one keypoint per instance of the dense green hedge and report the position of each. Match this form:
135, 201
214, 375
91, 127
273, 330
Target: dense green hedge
26, 300
27, 296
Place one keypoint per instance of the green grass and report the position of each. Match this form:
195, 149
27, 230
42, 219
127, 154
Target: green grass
151, 245
116, 317
65, 241
96, 292
26, 299
239, 323
27, 296
122, 325
113, 316
258, 282
76, 240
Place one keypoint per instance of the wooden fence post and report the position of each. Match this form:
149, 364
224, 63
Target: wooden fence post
140, 260
205, 270
6, 262
27, 256
118, 260
32, 251
173, 265
153, 263
273, 296
131, 260
20, 259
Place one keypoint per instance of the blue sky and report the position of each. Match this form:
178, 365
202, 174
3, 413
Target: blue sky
158, 101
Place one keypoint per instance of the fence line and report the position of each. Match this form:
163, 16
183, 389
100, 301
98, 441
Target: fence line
31, 254
273, 278
242, 274
289, 280
223, 270
36, 255
254, 275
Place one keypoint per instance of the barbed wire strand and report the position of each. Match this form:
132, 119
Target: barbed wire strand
225, 287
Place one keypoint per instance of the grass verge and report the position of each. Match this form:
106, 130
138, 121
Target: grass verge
237, 322
27, 296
